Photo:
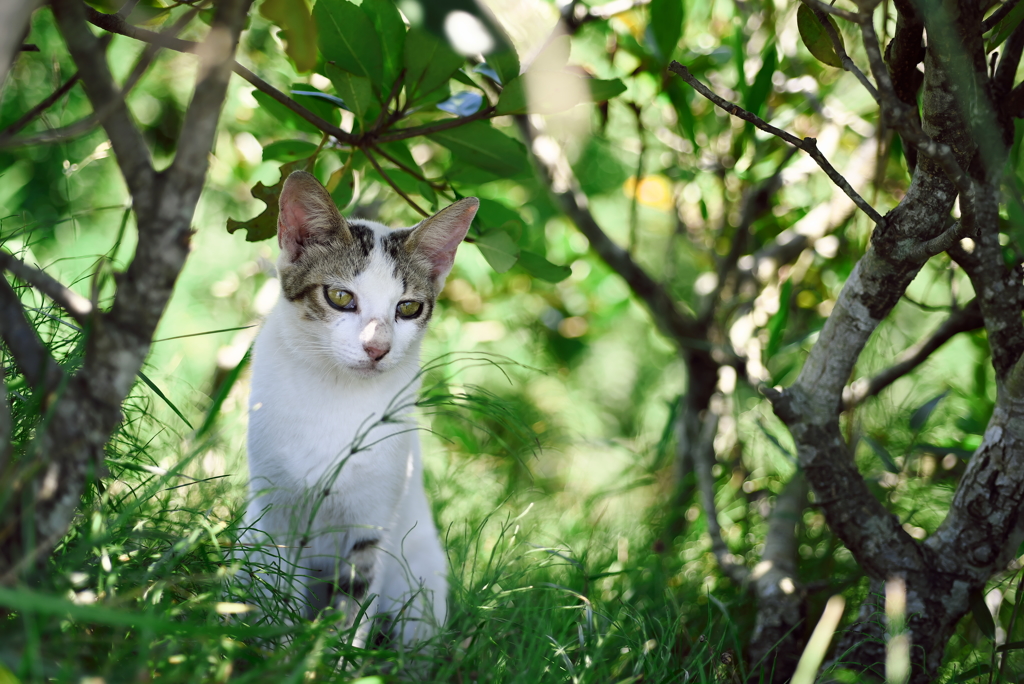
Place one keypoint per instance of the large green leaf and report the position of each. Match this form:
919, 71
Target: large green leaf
816, 40
264, 225
429, 63
539, 267
282, 113
505, 65
666, 26
605, 89
759, 90
499, 250
348, 38
299, 29
389, 25
479, 144
356, 92
288, 150
1006, 25
494, 215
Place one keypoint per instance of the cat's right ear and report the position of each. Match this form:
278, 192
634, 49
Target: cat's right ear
307, 215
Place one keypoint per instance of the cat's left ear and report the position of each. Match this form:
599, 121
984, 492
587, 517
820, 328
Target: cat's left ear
437, 237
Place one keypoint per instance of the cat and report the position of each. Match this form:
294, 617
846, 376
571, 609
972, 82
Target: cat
338, 509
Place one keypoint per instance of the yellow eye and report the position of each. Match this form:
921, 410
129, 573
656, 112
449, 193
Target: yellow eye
409, 309
340, 299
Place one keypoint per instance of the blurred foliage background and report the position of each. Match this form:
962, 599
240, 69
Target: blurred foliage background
557, 498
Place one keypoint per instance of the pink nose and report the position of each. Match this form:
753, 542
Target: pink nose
376, 353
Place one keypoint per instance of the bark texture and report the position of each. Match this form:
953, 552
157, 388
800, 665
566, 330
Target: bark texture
85, 407
961, 148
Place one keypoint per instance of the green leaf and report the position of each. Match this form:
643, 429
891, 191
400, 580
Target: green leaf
159, 393
539, 267
283, 114
264, 226
883, 454
342, 186
1006, 25
971, 673
299, 29
816, 40
356, 92
666, 26
603, 90
499, 250
513, 97
480, 144
777, 323
288, 150
389, 25
757, 95
505, 65
323, 105
680, 98
921, 415
429, 63
349, 39
980, 611
494, 215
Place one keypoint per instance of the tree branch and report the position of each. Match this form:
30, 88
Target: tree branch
129, 147
31, 114
420, 210
75, 304
34, 361
808, 145
960, 320
677, 326
115, 24
703, 454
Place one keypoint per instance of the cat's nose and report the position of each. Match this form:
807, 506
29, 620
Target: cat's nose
376, 353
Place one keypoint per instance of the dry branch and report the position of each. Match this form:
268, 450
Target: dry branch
960, 320
75, 304
808, 145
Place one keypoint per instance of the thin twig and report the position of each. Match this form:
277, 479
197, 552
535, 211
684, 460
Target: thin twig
808, 145
960, 320
369, 155
114, 24
39, 108
75, 304
416, 131
129, 147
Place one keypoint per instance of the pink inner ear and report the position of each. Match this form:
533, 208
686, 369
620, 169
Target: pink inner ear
291, 224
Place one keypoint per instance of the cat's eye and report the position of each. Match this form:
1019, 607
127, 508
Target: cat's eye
340, 299
409, 309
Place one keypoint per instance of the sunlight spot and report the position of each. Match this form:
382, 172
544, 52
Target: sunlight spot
467, 34
228, 608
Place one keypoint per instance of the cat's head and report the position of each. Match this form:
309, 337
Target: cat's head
361, 294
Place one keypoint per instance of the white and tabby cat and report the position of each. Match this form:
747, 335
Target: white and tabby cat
338, 507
